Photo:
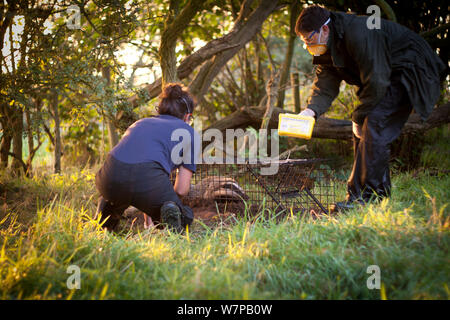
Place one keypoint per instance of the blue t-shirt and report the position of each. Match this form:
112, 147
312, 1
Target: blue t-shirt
164, 139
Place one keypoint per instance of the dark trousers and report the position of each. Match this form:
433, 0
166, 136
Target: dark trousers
370, 178
145, 186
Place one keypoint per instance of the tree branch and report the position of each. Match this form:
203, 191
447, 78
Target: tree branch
434, 31
248, 30
387, 9
20, 160
327, 128
231, 41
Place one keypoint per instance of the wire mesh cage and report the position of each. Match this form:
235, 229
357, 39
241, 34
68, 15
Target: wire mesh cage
303, 185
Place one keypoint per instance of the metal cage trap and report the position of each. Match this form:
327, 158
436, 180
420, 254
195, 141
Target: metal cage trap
300, 185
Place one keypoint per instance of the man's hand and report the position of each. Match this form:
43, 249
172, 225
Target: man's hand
356, 130
308, 113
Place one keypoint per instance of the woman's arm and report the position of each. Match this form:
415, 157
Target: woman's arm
183, 181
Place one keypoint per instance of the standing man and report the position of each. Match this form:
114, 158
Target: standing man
395, 70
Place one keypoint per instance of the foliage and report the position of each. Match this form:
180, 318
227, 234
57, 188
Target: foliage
81, 141
50, 59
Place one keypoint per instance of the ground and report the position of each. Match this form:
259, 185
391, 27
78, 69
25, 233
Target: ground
46, 227
257, 257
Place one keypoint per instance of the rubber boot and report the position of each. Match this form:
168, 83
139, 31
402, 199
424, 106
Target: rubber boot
171, 216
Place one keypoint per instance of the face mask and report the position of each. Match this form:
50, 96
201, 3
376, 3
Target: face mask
318, 48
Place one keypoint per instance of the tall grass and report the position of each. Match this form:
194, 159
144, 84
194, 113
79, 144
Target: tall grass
407, 236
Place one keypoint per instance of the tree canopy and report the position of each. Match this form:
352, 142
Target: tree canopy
73, 70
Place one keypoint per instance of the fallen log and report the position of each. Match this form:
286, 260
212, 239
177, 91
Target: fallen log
327, 128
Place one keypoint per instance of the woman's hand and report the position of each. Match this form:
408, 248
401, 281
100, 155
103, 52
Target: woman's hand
148, 222
183, 181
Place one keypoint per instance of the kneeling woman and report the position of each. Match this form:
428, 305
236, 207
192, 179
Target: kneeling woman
136, 172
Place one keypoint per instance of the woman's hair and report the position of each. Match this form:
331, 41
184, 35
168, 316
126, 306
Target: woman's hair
311, 18
175, 100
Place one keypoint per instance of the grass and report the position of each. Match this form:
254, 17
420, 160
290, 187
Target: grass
46, 226
436, 152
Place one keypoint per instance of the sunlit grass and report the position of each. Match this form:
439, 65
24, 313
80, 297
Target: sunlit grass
253, 258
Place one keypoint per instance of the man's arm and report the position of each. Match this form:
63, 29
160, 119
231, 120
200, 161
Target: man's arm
370, 51
324, 90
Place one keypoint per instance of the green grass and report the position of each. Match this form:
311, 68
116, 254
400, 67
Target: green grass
436, 152
48, 228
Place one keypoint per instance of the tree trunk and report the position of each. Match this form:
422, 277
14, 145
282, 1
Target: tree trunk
4, 148
112, 133
296, 91
54, 107
295, 11
6, 140
175, 24
250, 84
17, 163
259, 70
167, 54
272, 90
30, 141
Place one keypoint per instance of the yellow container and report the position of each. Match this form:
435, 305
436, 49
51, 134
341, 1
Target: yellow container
294, 125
